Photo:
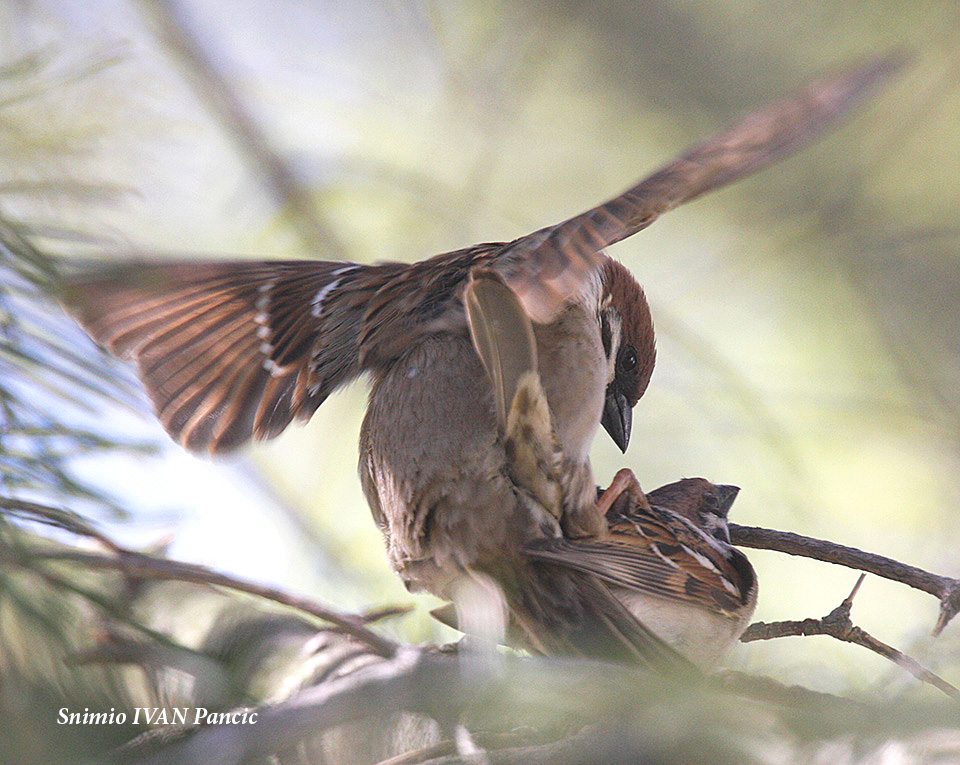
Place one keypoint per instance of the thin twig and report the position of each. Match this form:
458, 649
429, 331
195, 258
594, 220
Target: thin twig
946, 589
837, 624
62, 519
146, 566
385, 612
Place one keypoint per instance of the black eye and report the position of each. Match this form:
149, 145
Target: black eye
628, 359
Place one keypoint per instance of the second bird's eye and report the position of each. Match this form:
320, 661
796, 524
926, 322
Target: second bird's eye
628, 360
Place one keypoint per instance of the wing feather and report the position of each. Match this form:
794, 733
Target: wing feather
226, 350
659, 560
548, 266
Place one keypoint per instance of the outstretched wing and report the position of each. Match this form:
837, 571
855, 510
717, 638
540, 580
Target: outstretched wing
233, 350
548, 266
227, 350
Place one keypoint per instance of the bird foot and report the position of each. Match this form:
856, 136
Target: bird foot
623, 483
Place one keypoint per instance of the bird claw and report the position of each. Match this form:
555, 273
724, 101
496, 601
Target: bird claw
623, 483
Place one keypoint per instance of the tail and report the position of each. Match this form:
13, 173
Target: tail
558, 611
228, 350
574, 614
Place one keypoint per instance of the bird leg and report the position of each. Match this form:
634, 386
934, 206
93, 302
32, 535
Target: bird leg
624, 482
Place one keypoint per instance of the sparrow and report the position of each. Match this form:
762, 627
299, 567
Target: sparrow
573, 596
544, 609
668, 559
230, 350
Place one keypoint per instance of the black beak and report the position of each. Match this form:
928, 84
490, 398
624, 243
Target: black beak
617, 417
725, 496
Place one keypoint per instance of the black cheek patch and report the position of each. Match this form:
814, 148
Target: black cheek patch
605, 336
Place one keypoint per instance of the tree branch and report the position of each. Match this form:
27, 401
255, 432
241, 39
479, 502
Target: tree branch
837, 624
437, 684
52, 516
944, 588
140, 565
579, 710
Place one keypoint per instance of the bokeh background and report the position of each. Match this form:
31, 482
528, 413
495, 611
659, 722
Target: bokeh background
808, 318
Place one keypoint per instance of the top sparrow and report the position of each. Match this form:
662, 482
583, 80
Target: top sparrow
231, 350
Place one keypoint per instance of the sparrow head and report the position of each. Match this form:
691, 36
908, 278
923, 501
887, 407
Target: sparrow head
696, 499
626, 330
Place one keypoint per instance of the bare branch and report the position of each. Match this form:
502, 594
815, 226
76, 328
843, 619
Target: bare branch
837, 624
146, 566
52, 516
946, 589
582, 711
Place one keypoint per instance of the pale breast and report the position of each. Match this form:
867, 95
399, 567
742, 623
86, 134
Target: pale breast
700, 635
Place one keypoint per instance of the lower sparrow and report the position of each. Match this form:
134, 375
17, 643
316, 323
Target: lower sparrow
669, 561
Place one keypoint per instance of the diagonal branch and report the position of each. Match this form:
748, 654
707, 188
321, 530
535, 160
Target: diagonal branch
946, 589
52, 516
146, 566
837, 624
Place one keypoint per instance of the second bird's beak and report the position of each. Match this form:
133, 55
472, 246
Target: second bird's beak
617, 417
725, 496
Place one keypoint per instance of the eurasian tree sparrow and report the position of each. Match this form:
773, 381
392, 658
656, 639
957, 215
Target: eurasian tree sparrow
547, 609
671, 564
661, 576
230, 350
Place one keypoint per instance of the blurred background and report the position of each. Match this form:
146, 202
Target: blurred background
807, 318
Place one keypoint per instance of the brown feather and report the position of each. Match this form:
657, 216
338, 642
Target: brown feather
226, 350
660, 553
502, 336
547, 267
